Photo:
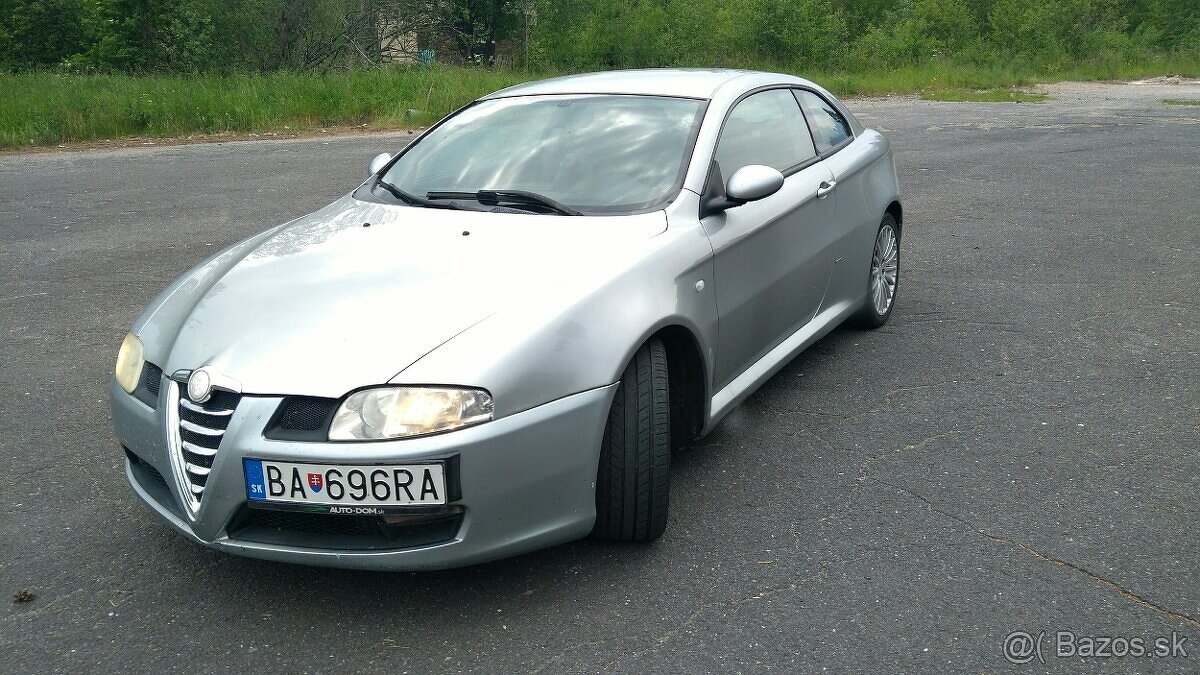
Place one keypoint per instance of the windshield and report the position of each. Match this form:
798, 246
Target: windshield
593, 153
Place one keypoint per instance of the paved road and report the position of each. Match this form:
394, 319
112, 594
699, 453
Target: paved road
1017, 450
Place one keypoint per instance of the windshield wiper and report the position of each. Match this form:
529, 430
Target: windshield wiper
510, 197
414, 200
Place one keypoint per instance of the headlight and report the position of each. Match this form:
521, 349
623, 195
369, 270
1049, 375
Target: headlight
397, 412
129, 363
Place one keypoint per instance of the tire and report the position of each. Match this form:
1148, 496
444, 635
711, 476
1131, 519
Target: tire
633, 479
870, 315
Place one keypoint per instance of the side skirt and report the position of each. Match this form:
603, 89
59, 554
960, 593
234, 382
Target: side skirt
752, 378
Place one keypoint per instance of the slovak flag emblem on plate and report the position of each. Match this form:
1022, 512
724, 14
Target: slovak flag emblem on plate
316, 481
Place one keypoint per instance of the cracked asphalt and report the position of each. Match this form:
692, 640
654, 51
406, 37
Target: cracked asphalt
1016, 450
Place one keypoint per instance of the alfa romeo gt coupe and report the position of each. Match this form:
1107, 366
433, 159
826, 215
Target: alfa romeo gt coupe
491, 345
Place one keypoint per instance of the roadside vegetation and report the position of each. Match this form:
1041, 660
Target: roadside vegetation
47, 108
80, 70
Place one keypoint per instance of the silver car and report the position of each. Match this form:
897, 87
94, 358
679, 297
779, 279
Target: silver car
492, 344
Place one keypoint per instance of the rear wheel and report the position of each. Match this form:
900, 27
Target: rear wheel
633, 481
884, 276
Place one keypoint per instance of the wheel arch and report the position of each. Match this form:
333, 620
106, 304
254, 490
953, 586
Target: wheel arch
687, 381
896, 212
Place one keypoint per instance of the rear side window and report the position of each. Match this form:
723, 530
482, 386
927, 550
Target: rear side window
829, 128
765, 128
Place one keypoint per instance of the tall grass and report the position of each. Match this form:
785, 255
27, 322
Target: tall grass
47, 108
44, 108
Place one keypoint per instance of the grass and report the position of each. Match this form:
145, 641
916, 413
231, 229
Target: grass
46, 108
49, 108
1182, 101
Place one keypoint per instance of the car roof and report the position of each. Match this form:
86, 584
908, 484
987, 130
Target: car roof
684, 82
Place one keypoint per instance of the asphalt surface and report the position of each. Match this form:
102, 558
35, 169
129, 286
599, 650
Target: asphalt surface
1016, 450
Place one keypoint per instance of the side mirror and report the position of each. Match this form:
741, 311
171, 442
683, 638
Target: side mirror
378, 162
752, 182
747, 184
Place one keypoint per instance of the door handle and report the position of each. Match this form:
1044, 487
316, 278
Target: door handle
825, 188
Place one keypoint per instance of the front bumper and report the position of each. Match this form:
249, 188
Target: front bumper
527, 480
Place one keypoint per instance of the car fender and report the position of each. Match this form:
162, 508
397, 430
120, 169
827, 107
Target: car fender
580, 333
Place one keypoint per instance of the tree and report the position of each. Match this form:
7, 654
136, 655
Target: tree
950, 22
477, 22
149, 35
41, 32
808, 32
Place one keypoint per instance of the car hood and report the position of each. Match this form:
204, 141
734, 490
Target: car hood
352, 294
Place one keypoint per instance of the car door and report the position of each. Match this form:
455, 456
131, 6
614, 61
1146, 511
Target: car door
857, 210
772, 257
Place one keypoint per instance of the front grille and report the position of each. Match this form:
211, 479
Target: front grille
152, 379
152, 482
151, 474
302, 418
148, 387
156, 477
201, 428
305, 414
348, 533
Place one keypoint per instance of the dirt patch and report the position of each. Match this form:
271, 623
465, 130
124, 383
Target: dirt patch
1144, 94
1166, 80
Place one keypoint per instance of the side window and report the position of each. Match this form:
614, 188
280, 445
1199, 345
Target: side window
829, 128
765, 128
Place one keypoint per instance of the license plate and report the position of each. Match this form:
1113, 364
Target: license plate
354, 487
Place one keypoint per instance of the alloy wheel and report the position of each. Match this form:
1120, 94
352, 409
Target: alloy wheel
885, 264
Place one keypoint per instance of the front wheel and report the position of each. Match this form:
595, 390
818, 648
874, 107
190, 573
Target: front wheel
884, 276
633, 481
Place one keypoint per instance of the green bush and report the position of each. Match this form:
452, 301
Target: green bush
808, 32
949, 22
903, 43
140, 36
